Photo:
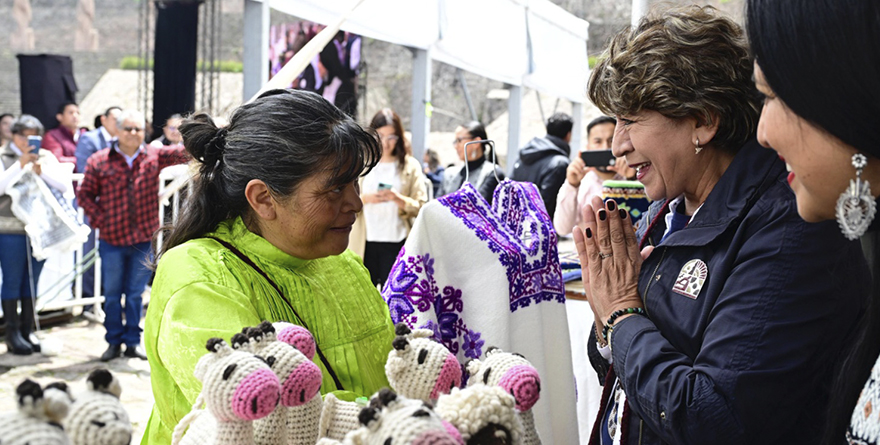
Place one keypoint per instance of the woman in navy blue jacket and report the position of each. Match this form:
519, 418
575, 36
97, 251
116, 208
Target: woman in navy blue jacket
729, 330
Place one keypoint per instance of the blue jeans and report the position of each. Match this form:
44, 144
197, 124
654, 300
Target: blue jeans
14, 266
123, 272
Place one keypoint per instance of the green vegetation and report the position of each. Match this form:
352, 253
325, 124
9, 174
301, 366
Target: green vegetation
593, 60
225, 66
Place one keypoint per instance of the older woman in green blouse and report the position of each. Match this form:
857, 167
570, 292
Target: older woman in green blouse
263, 236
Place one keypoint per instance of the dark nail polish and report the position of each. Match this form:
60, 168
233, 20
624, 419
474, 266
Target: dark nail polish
622, 213
611, 205
589, 233
602, 215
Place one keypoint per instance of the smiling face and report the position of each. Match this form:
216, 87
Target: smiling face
316, 220
820, 164
662, 151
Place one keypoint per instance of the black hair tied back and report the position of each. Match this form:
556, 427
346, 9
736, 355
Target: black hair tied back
215, 147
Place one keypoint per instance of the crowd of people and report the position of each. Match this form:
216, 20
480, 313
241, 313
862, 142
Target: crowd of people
741, 308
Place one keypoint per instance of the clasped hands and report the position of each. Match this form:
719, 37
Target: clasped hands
610, 259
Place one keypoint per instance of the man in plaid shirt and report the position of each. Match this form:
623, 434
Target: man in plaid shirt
119, 194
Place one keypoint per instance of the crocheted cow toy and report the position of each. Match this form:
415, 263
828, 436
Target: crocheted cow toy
39, 415
483, 414
419, 367
97, 416
399, 421
237, 388
295, 420
513, 373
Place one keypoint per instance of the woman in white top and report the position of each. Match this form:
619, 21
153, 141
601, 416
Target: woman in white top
393, 193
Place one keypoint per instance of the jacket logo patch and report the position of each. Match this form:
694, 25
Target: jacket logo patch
691, 279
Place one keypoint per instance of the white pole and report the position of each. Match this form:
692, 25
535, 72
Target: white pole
639, 9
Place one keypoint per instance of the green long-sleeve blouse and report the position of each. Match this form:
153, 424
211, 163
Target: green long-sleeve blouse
203, 290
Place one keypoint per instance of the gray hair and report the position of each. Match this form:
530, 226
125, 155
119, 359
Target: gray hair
131, 115
27, 123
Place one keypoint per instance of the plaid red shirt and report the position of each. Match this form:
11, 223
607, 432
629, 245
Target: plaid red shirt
123, 202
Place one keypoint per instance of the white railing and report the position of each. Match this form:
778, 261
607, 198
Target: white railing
171, 184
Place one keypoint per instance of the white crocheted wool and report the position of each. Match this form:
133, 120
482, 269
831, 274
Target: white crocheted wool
36, 420
97, 417
338, 418
477, 407
515, 375
224, 374
419, 367
403, 421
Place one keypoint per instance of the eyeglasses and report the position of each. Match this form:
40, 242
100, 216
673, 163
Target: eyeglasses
457, 141
390, 138
132, 129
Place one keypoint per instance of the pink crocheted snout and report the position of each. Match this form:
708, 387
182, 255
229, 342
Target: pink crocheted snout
435, 437
450, 376
524, 384
301, 385
257, 395
452, 431
298, 337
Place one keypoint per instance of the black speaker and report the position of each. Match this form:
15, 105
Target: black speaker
46, 82
174, 71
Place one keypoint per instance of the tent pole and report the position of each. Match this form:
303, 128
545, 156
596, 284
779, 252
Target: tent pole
256, 46
514, 113
421, 102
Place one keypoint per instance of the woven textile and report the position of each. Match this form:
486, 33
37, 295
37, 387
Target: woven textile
480, 275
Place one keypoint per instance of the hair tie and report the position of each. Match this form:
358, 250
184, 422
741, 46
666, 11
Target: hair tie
216, 146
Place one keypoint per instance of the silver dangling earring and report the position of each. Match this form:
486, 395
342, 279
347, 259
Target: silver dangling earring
698, 149
856, 206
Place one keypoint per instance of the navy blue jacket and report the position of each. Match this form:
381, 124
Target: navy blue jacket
750, 359
89, 143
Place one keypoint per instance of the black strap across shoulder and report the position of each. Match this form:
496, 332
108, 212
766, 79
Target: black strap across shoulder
302, 322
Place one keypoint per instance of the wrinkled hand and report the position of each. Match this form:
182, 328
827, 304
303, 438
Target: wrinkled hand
576, 171
611, 283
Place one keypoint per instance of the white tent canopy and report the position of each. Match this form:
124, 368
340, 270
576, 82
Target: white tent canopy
519, 42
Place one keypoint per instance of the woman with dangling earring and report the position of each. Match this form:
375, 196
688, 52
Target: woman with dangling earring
821, 108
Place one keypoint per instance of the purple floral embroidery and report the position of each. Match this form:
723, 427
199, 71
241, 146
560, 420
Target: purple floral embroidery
521, 233
411, 290
516, 229
473, 346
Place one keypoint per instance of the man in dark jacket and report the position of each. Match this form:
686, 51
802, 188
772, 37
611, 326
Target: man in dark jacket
544, 159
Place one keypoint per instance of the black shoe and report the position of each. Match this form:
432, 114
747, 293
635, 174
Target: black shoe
14, 341
27, 324
114, 351
135, 352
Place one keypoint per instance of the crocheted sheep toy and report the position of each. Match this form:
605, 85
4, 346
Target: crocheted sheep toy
295, 420
513, 373
97, 416
483, 414
399, 421
39, 415
237, 388
419, 367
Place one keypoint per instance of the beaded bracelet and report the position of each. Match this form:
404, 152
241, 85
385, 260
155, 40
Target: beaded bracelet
614, 316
